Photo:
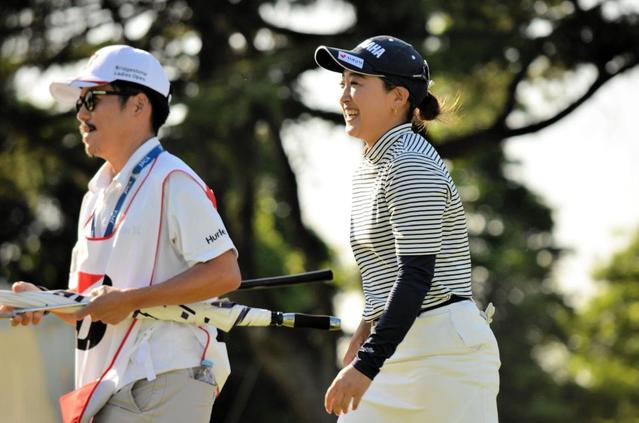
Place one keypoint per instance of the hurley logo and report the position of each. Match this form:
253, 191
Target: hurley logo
212, 238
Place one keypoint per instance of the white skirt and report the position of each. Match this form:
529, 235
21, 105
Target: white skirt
446, 370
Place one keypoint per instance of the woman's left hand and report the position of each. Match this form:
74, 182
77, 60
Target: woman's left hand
348, 386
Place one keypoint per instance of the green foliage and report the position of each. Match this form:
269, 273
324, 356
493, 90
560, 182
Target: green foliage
236, 76
623, 267
605, 342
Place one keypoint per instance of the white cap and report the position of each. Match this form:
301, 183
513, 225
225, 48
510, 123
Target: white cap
112, 63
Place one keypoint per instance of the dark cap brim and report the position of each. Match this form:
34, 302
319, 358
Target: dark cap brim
336, 60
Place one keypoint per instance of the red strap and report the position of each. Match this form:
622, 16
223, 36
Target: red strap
208, 340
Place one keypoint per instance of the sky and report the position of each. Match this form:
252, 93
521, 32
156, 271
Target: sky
585, 168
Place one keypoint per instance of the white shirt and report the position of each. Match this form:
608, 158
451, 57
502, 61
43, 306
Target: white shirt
192, 232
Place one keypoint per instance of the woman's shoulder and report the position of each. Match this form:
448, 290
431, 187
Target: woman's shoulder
414, 143
414, 149
415, 164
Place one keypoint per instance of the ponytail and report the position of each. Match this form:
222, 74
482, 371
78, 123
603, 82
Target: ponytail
419, 115
429, 109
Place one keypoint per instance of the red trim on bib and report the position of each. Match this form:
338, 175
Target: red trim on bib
128, 332
211, 195
115, 356
85, 280
205, 189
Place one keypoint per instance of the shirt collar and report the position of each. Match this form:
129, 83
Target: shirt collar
104, 176
381, 146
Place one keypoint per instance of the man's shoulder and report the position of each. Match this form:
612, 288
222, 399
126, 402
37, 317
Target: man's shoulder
169, 165
169, 160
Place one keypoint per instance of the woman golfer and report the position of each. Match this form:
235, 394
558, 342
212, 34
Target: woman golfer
423, 352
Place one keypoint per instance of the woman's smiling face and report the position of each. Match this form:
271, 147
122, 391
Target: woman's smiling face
367, 106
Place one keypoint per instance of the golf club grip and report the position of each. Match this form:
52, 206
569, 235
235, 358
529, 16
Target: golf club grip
308, 321
277, 281
312, 322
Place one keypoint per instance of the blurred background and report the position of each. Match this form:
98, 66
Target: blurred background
539, 142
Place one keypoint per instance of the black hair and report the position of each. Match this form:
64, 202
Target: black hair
418, 114
159, 103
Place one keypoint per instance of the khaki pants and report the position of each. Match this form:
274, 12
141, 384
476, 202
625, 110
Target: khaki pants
171, 397
446, 370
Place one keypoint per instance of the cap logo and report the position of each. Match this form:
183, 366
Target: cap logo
130, 73
349, 58
373, 48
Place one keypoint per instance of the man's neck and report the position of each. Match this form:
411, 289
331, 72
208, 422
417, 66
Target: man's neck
125, 152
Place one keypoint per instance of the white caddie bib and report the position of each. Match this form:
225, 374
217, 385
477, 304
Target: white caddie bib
125, 258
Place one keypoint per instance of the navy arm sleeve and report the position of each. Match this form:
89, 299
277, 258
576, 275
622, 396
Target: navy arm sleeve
413, 282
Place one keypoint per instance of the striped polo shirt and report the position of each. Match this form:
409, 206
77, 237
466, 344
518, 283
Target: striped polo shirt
405, 203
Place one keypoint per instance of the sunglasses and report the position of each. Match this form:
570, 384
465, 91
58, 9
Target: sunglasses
89, 100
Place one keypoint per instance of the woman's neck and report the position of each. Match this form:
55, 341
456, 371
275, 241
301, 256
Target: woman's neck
370, 143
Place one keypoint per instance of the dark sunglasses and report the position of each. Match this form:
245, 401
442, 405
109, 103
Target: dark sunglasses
89, 100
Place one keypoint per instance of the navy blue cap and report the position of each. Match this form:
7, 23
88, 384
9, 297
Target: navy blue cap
383, 56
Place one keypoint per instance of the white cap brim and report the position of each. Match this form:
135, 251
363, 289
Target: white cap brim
67, 92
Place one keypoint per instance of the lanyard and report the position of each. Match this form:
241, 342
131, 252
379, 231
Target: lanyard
150, 156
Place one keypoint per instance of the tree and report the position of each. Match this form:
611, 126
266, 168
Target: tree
236, 73
604, 342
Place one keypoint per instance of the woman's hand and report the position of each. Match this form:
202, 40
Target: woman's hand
349, 385
359, 337
347, 388
23, 319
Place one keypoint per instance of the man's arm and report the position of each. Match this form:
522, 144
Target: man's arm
195, 231
213, 278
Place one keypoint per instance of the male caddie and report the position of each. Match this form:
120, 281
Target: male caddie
148, 235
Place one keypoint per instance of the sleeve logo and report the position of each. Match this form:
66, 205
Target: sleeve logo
212, 238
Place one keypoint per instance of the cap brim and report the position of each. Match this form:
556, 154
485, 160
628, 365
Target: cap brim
336, 60
67, 92
326, 57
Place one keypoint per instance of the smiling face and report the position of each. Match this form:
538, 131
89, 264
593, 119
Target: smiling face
369, 109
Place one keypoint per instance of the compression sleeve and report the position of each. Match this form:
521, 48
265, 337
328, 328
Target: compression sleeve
413, 282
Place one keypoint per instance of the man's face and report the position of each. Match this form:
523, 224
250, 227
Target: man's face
103, 127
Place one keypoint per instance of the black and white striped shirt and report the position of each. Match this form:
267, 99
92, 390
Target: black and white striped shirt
405, 203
